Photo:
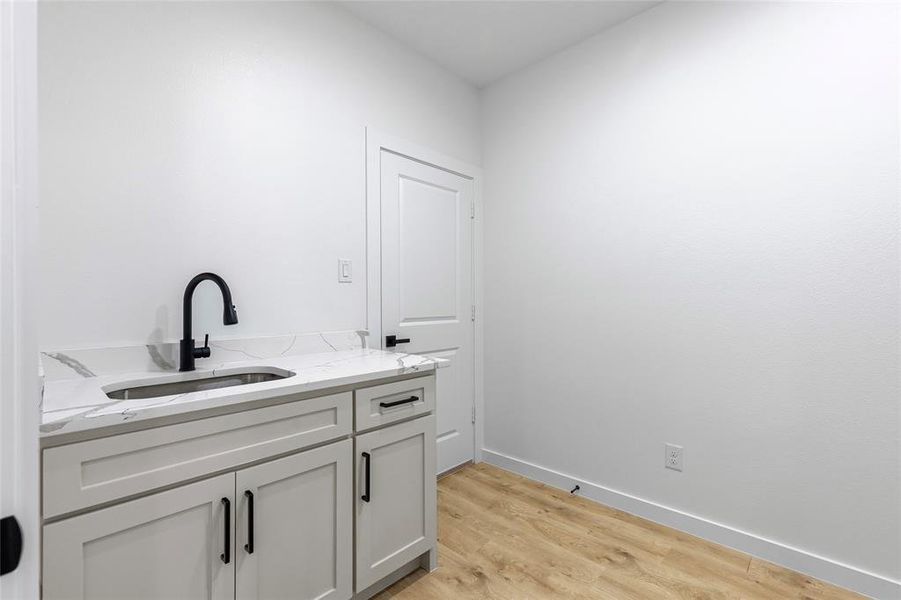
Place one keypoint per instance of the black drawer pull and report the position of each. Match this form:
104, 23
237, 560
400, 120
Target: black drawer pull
249, 545
227, 556
368, 459
399, 402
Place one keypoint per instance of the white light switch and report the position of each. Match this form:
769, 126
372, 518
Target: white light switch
345, 271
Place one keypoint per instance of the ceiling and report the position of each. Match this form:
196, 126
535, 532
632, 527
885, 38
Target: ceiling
484, 40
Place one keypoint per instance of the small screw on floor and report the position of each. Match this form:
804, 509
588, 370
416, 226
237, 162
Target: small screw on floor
574, 490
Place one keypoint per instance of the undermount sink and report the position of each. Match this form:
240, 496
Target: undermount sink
195, 383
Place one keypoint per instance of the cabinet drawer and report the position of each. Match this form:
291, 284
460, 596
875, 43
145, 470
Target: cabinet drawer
383, 404
77, 476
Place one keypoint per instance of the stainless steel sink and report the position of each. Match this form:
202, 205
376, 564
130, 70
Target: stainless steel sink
196, 383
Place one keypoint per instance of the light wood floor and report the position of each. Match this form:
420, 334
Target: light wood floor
503, 536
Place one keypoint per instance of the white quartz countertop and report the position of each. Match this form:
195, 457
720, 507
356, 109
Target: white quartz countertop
77, 405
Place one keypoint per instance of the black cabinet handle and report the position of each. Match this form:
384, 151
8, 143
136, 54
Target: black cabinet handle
392, 340
365, 497
249, 545
227, 555
399, 402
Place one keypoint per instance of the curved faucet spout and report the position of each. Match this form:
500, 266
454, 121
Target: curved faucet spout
229, 317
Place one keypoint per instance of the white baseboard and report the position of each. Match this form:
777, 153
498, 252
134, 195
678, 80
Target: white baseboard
819, 567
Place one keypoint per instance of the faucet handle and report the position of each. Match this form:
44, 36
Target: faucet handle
205, 351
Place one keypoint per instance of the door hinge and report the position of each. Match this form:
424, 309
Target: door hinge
472, 312
472, 210
473, 414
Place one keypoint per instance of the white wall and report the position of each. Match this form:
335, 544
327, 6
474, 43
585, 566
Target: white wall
182, 137
692, 236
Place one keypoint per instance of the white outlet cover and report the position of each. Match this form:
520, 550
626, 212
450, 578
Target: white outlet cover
674, 457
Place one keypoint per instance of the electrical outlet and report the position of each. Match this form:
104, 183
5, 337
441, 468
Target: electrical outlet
674, 455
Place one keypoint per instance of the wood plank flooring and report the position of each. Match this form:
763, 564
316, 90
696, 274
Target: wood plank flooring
504, 536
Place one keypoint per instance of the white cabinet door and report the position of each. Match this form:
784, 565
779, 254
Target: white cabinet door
300, 545
396, 499
176, 544
426, 286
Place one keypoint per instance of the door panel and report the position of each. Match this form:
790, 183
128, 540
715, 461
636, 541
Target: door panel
302, 527
396, 529
166, 545
428, 236
454, 418
398, 521
426, 286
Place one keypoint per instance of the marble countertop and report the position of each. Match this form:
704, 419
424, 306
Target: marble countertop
78, 405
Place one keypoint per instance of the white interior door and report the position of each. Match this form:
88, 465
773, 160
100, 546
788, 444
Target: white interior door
426, 286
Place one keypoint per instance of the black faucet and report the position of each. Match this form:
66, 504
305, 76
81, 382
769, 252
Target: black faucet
187, 351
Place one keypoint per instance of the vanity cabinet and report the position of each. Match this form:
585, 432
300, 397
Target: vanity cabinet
282, 529
289, 500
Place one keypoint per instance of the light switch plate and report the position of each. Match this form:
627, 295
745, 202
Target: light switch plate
345, 270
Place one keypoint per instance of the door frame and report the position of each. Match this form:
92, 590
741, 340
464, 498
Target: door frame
20, 385
375, 142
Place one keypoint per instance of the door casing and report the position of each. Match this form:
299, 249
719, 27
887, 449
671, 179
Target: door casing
20, 387
376, 142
